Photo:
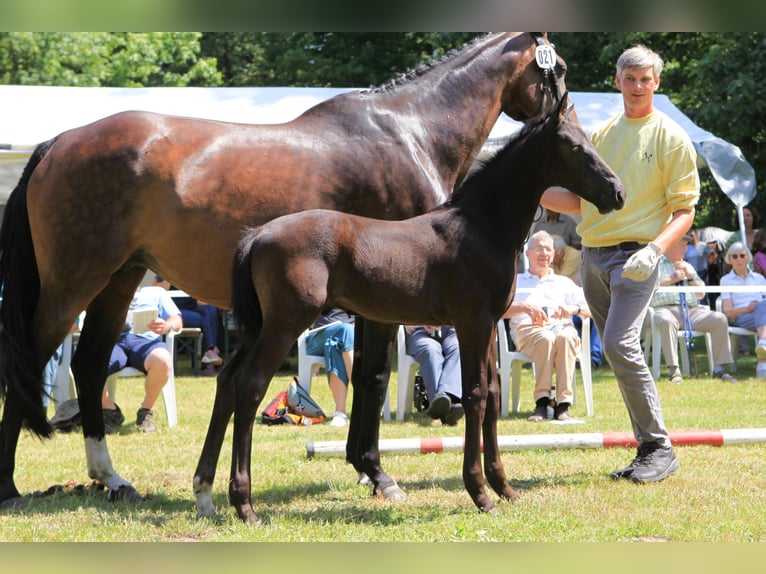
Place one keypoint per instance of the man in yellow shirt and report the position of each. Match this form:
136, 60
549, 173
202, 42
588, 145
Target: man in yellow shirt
656, 161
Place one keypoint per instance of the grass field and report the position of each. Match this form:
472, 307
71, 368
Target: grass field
718, 495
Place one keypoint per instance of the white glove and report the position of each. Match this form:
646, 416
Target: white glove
642, 263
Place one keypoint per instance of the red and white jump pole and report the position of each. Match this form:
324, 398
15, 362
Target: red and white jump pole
545, 441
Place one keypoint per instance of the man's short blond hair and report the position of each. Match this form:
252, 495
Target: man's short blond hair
640, 56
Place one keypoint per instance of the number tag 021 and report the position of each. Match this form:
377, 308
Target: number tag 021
545, 56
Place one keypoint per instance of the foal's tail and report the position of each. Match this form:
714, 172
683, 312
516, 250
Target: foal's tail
244, 300
20, 371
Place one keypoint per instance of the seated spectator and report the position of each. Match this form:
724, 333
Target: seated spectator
142, 347
668, 313
541, 327
696, 252
336, 344
746, 310
751, 219
202, 316
436, 350
759, 251
559, 224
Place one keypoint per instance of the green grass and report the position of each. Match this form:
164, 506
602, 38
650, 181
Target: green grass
566, 495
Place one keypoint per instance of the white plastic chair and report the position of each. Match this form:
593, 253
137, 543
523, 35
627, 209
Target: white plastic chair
653, 344
512, 361
168, 391
407, 368
734, 334
64, 388
307, 364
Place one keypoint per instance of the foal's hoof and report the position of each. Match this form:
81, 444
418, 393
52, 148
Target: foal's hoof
391, 492
126, 493
15, 503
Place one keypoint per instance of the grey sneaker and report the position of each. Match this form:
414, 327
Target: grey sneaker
113, 419
67, 417
651, 464
145, 420
440, 406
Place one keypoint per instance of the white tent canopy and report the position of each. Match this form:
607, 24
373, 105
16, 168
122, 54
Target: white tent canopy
32, 114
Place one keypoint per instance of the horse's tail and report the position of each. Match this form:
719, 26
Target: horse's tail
20, 371
244, 300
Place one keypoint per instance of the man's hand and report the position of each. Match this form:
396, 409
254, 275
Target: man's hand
642, 263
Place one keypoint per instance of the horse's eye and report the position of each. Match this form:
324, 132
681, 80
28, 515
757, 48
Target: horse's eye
576, 149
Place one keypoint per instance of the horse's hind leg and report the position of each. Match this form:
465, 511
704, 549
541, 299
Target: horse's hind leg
373, 345
104, 320
493, 463
223, 407
9, 438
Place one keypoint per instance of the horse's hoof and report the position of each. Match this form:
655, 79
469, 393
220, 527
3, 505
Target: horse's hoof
250, 518
364, 480
126, 492
488, 508
392, 492
15, 503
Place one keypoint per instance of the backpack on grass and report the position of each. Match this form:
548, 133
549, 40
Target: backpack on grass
294, 406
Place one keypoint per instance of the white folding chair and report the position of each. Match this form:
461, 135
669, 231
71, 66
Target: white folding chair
653, 344
512, 361
734, 334
168, 391
307, 364
407, 368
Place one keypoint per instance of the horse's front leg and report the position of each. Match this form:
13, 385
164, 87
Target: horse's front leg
493, 463
373, 345
223, 407
473, 370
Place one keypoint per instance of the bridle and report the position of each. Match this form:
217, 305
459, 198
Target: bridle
550, 82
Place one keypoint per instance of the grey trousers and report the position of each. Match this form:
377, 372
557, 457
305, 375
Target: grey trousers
618, 306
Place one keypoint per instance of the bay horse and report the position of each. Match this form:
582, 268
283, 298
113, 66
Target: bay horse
454, 265
98, 205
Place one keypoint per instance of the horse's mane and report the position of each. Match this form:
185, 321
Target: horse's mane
485, 168
426, 67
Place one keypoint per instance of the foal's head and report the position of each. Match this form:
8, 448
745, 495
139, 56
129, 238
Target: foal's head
574, 163
551, 150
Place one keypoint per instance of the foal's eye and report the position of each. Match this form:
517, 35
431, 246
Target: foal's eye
576, 149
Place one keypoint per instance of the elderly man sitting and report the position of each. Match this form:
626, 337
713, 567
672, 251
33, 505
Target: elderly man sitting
541, 327
669, 319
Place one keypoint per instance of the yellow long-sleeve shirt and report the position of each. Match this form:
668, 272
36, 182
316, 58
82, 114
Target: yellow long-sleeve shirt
657, 163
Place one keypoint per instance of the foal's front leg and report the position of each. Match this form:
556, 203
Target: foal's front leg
474, 403
493, 463
223, 407
250, 381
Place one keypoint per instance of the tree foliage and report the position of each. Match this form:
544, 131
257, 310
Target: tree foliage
323, 59
105, 59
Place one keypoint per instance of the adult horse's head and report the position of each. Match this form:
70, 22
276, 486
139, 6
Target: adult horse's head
538, 82
575, 163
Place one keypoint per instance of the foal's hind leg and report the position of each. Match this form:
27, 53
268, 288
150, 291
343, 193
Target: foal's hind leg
223, 407
373, 346
493, 463
250, 384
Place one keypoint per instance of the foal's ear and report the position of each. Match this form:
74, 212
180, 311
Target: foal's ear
562, 108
